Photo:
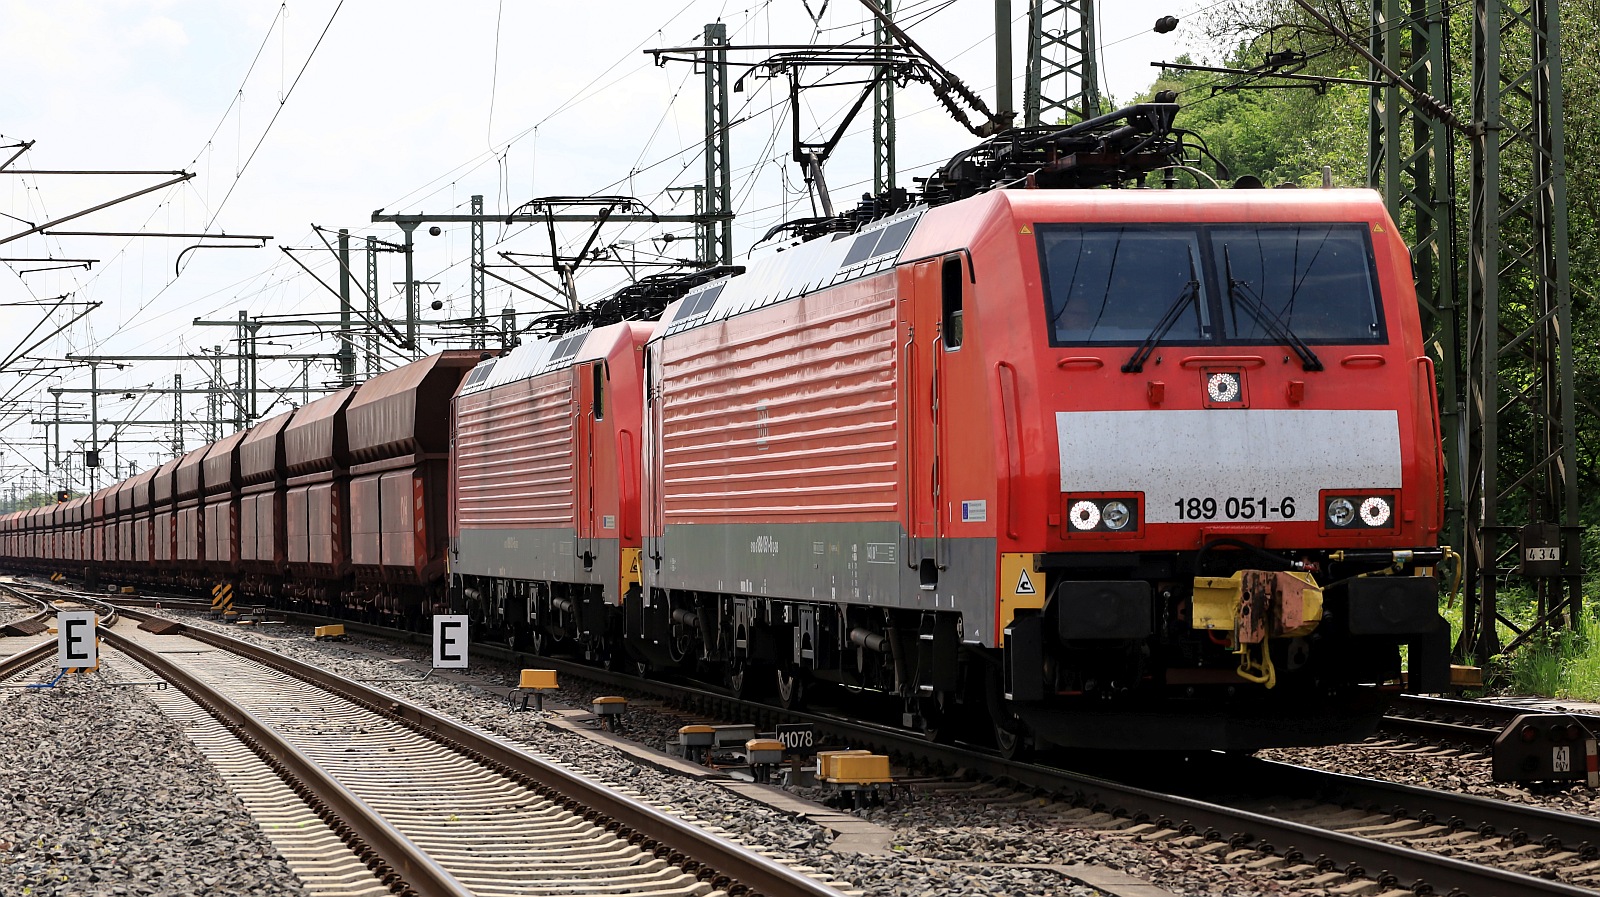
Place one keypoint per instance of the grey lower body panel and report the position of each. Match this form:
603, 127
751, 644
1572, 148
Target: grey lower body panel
842, 563
540, 555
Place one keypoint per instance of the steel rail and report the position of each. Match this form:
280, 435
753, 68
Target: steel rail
16, 663
1391, 864
404, 866
108, 612
1439, 731
726, 865
1459, 812
1471, 723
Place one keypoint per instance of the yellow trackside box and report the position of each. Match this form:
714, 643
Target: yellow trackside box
825, 761
696, 735
763, 750
335, 630
543, 680
858, 769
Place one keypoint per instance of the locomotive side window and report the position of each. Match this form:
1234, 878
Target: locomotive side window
1113, 284
1318, 279
598, 372
950, 281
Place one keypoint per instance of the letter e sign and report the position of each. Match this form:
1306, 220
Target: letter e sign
75, 639
449, 641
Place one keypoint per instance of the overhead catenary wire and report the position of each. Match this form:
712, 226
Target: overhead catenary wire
276, 288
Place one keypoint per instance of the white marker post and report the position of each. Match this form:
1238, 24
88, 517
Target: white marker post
449, 641
75, 639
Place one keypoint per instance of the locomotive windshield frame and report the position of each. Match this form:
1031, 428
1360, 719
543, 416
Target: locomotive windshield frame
1112, 284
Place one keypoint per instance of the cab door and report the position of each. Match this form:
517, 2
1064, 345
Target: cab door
930, 326
589, 395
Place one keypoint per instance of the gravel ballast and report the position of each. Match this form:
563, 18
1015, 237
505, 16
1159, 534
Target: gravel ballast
104, 795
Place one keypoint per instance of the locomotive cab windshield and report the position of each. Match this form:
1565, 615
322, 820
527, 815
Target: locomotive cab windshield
1262, 284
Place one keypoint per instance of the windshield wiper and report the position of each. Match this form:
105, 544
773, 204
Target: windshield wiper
1189, 294
1240, 293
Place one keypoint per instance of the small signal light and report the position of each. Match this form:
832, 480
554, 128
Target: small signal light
63, 495
1529, 734
1574, 732
1558, 733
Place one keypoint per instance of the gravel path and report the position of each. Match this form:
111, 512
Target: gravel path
104, 795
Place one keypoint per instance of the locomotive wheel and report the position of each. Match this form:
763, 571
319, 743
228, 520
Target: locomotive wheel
745, 679
614, 658
791, 690
941, 718
1011, 736
1012, 740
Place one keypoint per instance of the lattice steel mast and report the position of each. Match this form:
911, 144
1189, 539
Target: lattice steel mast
1519, 328
1063, 77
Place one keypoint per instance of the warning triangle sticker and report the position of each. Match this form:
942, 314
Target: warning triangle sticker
1024, 585
1025, 231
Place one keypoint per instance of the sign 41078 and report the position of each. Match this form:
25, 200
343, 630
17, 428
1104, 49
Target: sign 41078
798, 738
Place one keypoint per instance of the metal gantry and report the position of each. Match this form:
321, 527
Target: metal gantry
1063, 77
1522, 489
373, 312
1511, 450
480, 313
717, 231
883, 174
1411, 161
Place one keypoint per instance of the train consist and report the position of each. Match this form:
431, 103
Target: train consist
1097, 468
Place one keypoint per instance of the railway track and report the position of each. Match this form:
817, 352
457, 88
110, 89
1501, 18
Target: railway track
1469, 724
34, 625
1345, 828
498, 820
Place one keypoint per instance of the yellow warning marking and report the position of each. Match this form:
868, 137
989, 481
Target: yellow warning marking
1017, 569
630, 572
1025, 230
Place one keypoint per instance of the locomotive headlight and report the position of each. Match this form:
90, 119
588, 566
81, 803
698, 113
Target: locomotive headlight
1341, 511
1085, 515
1375, 511
1115, 514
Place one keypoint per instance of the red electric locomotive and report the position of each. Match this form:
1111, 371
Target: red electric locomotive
1106, 468
544, 515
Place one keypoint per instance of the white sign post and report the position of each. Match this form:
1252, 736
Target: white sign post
75, 639
449, 641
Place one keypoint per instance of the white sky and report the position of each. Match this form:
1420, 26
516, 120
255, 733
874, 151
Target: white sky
406, 106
